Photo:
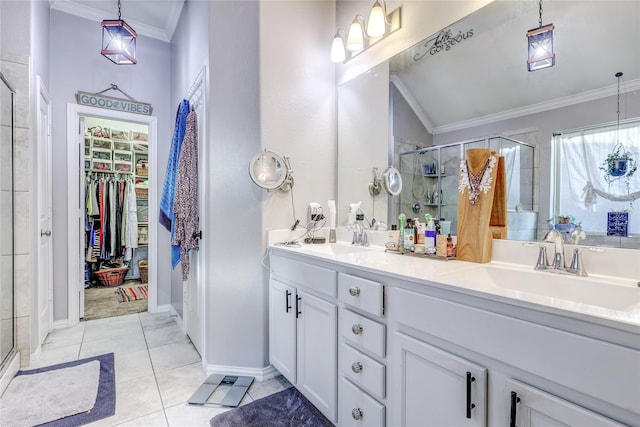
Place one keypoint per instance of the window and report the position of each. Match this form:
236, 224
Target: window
578, 157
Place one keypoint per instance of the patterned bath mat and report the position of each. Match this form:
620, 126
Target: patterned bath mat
65, 395
284, 409
132, 293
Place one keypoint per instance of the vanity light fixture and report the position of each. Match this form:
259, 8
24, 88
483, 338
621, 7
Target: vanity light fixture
361, 36
118, 40
540, 45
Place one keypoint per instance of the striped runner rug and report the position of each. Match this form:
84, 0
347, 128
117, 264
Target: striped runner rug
132, 293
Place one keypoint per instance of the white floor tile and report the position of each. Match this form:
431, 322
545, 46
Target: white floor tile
132, 365
185, 415
178, 385
260, 389
164, 335
121, 344
134, 399
112, 327
156, 320
53, 356
173, 356
66, 336
155, 419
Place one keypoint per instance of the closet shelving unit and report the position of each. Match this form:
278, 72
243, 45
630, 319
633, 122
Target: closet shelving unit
123, 156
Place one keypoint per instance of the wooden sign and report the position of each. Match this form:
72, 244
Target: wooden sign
116, 104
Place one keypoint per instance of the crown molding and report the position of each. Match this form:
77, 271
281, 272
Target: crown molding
566, 101
97, 15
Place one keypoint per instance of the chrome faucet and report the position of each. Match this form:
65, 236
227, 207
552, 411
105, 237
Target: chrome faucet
359, 234
558, 265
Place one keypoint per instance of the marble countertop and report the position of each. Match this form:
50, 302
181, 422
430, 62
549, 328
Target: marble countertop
608, 301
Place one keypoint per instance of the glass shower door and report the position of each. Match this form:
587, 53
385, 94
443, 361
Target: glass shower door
7, 305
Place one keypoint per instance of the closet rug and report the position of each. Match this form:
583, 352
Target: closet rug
101, 302
132, 293
64, 395
286, 408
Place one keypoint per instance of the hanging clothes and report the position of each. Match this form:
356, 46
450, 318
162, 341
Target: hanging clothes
168, 192
185, 204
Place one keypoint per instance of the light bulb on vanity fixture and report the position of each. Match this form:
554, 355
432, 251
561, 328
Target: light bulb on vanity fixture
361, 36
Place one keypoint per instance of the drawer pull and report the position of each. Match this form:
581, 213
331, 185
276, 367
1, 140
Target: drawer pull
470, 405
354, 291
287, 303
512, 416
356, 367
357, 414
298, 312
357, 329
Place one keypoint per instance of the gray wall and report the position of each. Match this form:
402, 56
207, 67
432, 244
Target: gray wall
83, 68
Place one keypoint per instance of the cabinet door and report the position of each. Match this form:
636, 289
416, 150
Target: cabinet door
282, 329
317, 353
531, 407
430, 387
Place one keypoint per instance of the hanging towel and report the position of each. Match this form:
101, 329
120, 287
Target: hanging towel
169, 189
185, 204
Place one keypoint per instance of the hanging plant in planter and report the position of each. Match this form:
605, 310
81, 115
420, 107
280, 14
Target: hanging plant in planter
619, 164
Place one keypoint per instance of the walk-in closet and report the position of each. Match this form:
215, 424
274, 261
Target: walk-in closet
116, 208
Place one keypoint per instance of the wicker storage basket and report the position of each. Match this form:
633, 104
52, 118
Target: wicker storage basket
142, 193
111, 276
143, 265
142, 170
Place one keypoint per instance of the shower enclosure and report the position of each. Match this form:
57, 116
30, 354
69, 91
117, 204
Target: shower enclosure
430, 177
7, 294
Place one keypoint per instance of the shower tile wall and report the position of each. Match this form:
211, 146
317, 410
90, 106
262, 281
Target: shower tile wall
14, 64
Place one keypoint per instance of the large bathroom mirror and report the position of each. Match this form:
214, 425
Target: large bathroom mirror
470, 82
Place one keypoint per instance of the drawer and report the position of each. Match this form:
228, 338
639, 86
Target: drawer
361, 293
298, 273
363, 370
358, 409
362, 331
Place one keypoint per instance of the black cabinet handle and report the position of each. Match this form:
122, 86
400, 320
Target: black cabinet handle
287, 303
298, 312
512, 416
470, 405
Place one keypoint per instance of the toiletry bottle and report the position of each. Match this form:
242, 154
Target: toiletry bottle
450, 247
401, 220
420, 229
409, 236
430, 236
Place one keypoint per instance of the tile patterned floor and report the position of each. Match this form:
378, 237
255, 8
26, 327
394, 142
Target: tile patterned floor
157, 369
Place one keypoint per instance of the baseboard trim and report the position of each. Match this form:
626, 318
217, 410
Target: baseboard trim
164, 308
260, 374
61, 324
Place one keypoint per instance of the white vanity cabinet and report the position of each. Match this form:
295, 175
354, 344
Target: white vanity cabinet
303, 330
434, 387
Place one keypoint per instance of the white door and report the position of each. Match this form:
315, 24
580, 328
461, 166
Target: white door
44, 287
194, 294
531, 407
431, 387
81, 215
317, 336
282, 329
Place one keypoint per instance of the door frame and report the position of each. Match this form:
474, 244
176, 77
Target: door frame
75, 195
42, 100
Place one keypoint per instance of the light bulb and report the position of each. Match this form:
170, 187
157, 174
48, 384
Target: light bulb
355, 41
338, 53
376, 26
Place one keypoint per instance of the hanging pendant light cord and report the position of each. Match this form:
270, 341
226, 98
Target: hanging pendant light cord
119, 12
540, 12
618, 75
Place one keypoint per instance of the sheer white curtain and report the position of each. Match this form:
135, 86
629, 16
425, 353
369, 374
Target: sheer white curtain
580, 155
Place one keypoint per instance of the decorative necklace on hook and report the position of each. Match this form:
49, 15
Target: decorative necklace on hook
476, 183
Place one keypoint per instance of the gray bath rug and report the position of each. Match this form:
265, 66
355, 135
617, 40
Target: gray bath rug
287, 408
65, 395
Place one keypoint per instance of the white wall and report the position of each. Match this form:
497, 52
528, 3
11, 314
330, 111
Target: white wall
76, 64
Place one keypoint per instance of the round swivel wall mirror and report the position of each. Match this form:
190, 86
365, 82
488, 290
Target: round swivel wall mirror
392, 181
270, 171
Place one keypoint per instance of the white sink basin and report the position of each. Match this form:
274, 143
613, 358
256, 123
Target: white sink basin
339, 249
599, 292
